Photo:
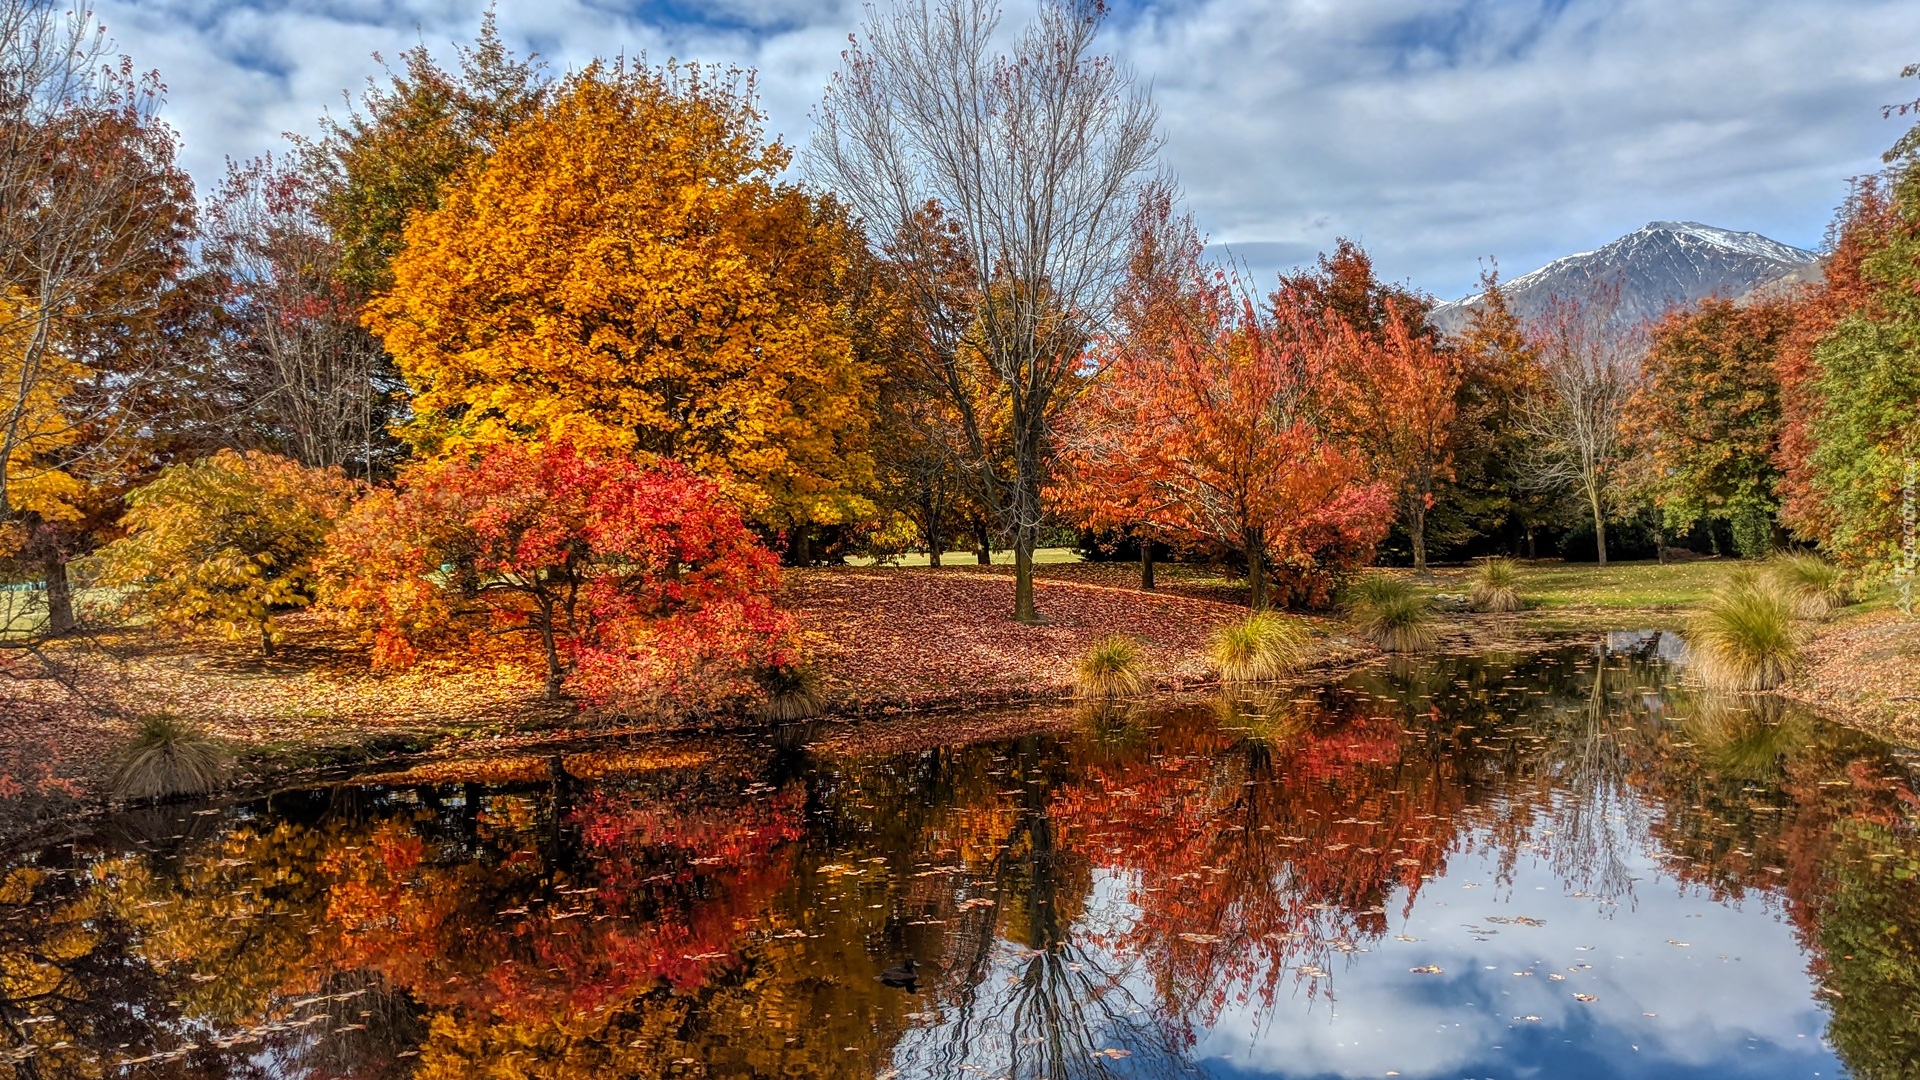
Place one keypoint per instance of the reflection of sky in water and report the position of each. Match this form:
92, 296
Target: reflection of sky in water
1683, 986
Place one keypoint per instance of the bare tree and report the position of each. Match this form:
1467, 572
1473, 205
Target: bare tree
1035, 159
1589, 368
316, 385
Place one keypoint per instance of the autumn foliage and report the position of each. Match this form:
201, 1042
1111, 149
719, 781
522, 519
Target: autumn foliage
226, 542
626, 274
642, 587
1206, 427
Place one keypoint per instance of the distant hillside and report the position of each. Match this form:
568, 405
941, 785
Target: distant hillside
1667, 263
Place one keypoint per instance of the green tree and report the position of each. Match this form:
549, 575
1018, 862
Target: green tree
392, 156
1709, 417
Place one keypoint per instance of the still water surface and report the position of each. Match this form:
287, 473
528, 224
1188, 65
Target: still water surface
1543, 865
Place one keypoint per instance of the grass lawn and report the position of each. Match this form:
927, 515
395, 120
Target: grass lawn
1637, 585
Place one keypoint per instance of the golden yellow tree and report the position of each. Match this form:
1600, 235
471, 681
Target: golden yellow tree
626, 272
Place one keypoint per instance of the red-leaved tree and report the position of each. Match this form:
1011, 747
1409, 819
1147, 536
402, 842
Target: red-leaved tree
642, 586
1206, 426
1399, 390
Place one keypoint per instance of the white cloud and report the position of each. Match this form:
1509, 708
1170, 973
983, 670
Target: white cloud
1434, 132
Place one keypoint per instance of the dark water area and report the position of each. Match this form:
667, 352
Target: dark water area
1545, 865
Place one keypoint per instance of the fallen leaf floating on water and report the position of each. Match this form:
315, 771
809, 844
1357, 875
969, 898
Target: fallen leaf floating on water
1113, 1053
1427, 969
1584, 997
1200, 939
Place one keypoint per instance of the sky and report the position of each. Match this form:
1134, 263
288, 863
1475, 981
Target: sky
1437, 133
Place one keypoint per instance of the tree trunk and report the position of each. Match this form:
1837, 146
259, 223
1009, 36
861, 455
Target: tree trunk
982, 544
933, 553
802, 545
1146, 564
1417, 529
1599, 530
1659, 538
1023, 542
1532, 553
59, 591
266, 640
1256, 551
554, 673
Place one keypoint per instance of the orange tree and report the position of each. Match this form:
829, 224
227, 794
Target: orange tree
624, 272
640, 584
1398, 399
1205, 427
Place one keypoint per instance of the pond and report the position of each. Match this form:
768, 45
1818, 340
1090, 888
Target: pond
1557, 863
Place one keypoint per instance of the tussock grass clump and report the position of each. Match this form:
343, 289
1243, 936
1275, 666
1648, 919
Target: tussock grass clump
1259, 648
1496, 585
1743, 638
1113, 668
1815, 586
169, 757
793, 692
1392, 614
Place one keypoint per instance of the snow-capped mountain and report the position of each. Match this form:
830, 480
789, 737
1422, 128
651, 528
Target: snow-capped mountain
1660, 266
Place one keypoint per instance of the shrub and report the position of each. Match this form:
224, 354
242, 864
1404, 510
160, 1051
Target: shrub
1111, 669
1261, 647
642, 586
792, 690
226, 541
1743, 639
167, 758
1496, 585
1814, 585
1392, 614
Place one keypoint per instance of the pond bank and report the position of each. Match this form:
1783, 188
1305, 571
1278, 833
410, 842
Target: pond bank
893, 643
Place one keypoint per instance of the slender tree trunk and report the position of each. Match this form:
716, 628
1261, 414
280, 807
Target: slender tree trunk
1532, 551
1146, 564
266, 640
1599, 528
1256, 551
554, 673
1023, 542
982, 544
1659, 538
933, 553
1417, 528
59, 592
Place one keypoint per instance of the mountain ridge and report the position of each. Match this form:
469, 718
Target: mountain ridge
1658, 266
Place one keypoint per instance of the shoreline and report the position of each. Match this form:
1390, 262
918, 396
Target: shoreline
316, 715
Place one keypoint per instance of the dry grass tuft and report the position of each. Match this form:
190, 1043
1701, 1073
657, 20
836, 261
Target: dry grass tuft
168, 758
1392, 614
1496, 585
1743, 639
1112, 668
1259, 648
1815, 586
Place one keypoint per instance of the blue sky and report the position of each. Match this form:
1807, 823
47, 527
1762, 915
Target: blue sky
1436, 132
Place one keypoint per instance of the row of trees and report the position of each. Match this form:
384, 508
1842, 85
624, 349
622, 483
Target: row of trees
929, 341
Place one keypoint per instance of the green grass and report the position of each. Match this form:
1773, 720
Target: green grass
1625, 585
1112, 668
1261, 647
